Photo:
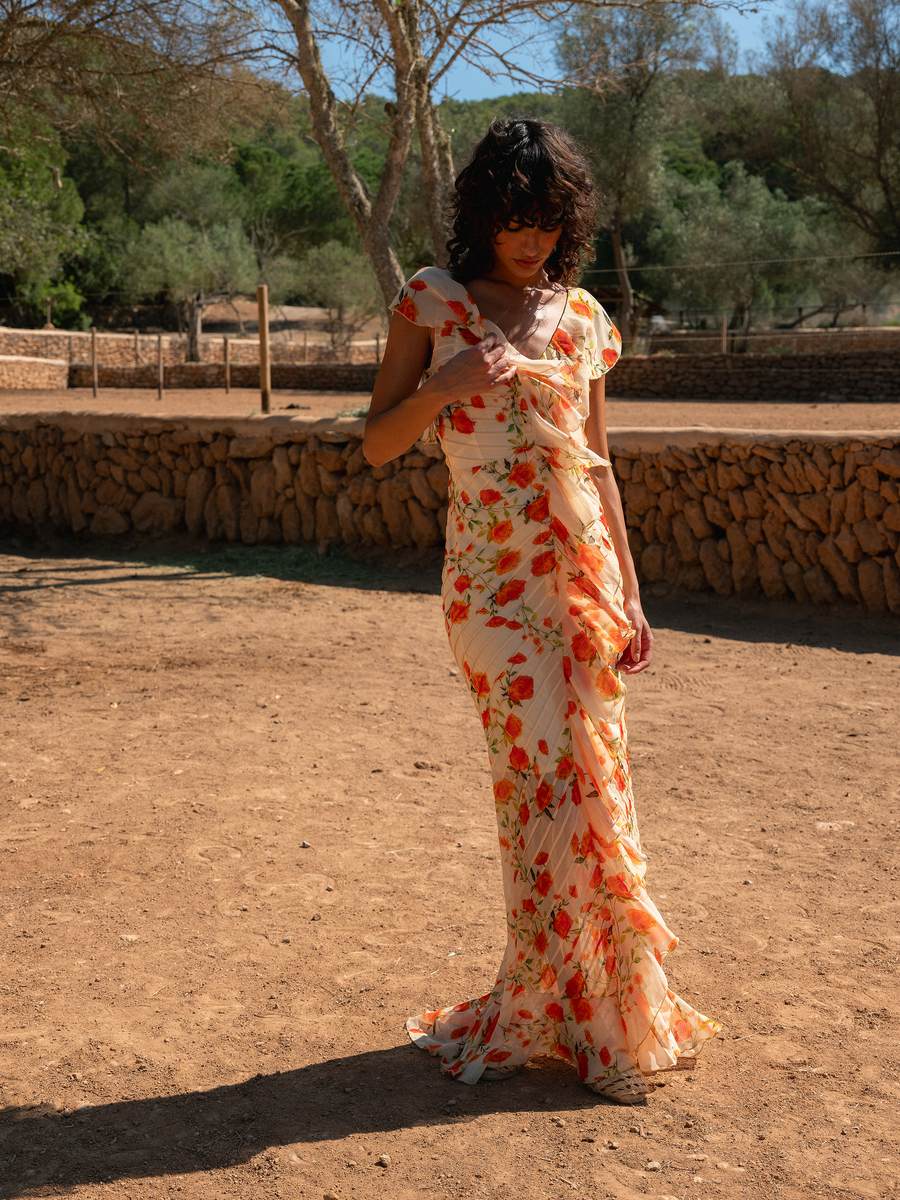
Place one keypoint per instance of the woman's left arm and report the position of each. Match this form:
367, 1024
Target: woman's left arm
636, 656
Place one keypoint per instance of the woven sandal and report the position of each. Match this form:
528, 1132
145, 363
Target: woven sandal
628, 1088
496, 1074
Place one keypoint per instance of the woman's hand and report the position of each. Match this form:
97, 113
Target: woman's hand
474, 370
637, 654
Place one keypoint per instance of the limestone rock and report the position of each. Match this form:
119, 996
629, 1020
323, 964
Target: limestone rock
688, 544
328, 527
291, 525
153, 513
442, 516
37, 501
716, 512
888, 463
892, 584
330, 458
344, 510
854, 508
250, 447
871, 539
212, 520
744, 565
394, 512
846, 541
423, 526
817, 509
717, 571
648, 525
308, 475
792, 512
755, 501
839, 569
871, 585
770, 575
263, 495
281, 465
249, 523
269, 531
652, 562
738, 505
793, 577
637, 498
797, 542
693, 577
228, 499
330, 482
819, 587
891, 517
422, 489
199, 485
307, 509
375, 528
108, 521
874, 504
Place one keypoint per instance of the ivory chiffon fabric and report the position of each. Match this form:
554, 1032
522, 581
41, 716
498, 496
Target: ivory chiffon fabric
532, 597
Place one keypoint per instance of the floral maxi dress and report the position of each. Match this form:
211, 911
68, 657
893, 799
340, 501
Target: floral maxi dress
532, 598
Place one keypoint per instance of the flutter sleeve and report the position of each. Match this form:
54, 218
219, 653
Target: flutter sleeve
604, 341
420, 300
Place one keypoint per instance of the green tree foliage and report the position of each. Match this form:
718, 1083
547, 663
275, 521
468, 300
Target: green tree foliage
340, 280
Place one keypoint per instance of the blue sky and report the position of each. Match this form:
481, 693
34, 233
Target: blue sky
468, 83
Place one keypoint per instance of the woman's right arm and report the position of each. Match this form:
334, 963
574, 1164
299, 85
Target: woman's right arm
401, 411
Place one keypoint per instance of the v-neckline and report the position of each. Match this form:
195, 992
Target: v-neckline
487, 321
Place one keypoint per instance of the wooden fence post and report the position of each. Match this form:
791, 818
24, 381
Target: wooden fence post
94, 359
378, 348
160, 380
265, 373
725, 335
227, 363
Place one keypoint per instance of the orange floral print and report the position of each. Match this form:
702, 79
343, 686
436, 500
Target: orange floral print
533, 609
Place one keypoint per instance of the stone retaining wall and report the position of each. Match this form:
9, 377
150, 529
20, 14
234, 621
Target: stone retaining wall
814, 516
313, 377
779, 341
33, 372
858, 376
126, 350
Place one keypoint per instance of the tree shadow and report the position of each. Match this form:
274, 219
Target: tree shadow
841, 627
372, 1093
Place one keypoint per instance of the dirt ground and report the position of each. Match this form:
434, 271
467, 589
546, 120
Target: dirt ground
244, 402
246, 829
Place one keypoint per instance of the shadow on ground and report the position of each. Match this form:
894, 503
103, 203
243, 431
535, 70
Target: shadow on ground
66, 562
373, 1093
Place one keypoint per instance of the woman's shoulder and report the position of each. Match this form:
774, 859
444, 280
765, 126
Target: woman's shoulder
435, 279
582, 303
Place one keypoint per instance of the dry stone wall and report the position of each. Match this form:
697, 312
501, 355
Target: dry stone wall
33, 372
318, 377
810, 516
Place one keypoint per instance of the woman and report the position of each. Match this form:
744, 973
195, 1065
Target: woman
543, 613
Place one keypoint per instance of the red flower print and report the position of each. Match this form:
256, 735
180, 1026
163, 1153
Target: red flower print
581, 1009
559, 529
503, 789
539, 508
543, 796
567, 671
521, 688
479, 681
564, 1052
497, 1056
562, 923
597, 878
458, 612
541, 943
524, 815
495, 622
517, 658
522, 474
510, 591
461, 421
486, 718
417, 285
518, 759
528, 905
576, 792
508, 561
502, 531
575, 986
605, 1056
408, 308
582, 647
562, 342
476, 401
462, 582
564, 768
543, 564
526, 1014
641, 922
472, 339
459, 1031
610, 965
579, 306
542, 858
542, 538
554, 1011
619, 887
513, 624
456, 306
513, 726
582, 1060
543, 883
489, 1032
489, 496
609, 356
608, 684
543, 747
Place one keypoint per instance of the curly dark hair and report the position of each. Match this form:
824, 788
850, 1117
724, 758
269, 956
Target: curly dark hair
523, 172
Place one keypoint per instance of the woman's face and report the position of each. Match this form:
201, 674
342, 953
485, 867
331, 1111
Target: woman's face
520, 252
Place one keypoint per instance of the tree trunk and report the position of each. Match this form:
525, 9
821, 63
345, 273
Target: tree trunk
626, 304
194, 326
371, 218
437, 167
